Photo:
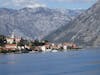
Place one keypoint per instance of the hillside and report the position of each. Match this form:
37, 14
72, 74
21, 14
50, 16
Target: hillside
83, 30
34, 22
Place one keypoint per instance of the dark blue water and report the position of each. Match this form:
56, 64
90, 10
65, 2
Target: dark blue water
84, 62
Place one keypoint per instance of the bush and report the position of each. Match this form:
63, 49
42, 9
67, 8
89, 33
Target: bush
3, 51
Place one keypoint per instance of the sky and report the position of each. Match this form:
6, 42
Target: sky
64, 4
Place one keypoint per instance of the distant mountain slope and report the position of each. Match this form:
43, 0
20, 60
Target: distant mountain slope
34, 23
84, 30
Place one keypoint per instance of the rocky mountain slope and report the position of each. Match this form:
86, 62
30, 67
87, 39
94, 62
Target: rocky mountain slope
34, 23
84, 30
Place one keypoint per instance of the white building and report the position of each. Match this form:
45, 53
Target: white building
65, 47
12, 39
43, 48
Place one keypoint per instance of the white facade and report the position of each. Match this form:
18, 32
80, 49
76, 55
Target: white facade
43, 48
10, 40
65, 47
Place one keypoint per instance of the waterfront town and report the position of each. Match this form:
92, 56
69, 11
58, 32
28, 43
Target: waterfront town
13, 44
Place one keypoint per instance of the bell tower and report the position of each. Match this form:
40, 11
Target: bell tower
13, 35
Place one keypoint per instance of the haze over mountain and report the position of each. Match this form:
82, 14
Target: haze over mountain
84, 30
34, 22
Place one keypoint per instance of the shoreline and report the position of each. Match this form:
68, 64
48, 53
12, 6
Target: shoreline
31, 52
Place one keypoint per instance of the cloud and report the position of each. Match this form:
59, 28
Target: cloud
27, 3
23, 3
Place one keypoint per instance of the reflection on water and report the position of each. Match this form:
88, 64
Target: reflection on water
84, 62
96, 62
10, 62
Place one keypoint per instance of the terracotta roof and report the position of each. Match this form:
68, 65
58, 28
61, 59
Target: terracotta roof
10, 44
9, 38
12, 38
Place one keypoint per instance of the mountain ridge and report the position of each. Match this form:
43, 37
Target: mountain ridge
33, 23
83, 30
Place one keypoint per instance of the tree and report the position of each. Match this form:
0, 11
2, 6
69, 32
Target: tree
14, 42
21, 43
2, 40
46, 41
37, 43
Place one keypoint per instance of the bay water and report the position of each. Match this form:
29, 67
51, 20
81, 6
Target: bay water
81, 62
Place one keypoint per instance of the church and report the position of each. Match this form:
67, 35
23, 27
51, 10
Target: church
13, 39
12, 42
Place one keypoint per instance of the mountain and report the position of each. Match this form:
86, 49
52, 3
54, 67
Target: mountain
83, 30
34, 22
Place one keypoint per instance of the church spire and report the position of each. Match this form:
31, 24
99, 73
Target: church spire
13, 35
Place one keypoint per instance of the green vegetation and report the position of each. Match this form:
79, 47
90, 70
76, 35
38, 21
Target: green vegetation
37, 43
14, 42
2, 40
9, 51
23, 42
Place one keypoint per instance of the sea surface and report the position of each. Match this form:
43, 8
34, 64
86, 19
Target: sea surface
82, 62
